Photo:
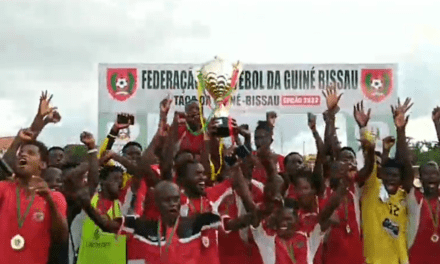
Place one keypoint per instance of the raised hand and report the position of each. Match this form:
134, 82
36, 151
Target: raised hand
165, 106
119, 126
360, 116
45, 108
106, 156
212, 127
39, 186
26, 135
244, 130
436, 115
180, 117
331, 97
400, 111
88, 140
53, 117
271, 117
312, 122
388, 142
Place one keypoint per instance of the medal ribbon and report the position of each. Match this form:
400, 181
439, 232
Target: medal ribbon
21, 218
434, 218
167, 240
290, 251
201, 204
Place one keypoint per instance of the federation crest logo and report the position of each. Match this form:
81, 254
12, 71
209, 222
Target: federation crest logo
377, 84
121, 83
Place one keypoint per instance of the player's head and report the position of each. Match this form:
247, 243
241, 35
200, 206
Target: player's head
53, 178
286, 219
111, 180
133, 151
167, 199
305, 188
430, 178
263, 134
338, 172
192, 111
273, 196
57, 157
293, 162
391, 175
191, 176
347, 154
31, 159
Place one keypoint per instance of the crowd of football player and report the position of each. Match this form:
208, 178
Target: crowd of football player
186, 198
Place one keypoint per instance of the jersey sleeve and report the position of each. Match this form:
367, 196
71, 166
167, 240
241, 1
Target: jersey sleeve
3, 186
60, 202
106, 145
133, 224
217, 193
265, 243
281, 163
371, 188
414, 202
314, 241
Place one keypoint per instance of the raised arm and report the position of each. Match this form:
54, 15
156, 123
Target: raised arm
106, 224
171, 147
400, 120
112, 135
368, 146
436, 120
362, 118
241, 187
45, 115
330, 137
92, 158
335, 200
320, 157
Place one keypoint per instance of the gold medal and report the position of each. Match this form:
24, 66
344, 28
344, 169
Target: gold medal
17, 243
348, 229
205, 241
435, 220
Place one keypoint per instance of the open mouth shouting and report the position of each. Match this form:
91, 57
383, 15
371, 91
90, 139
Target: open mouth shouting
201, 186
22, 162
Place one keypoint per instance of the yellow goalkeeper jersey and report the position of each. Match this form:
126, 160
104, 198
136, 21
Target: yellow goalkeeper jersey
384, 224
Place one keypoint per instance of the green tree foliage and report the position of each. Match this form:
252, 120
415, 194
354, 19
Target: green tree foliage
425, 151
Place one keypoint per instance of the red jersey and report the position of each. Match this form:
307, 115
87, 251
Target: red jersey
421, 229
343, 242
301, 248
135, 247
259, 173
238, 246
179, 244
308, 222
290, 192
209, 203
190, 142
151, 212
36, 226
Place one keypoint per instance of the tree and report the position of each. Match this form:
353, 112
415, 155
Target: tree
425, 151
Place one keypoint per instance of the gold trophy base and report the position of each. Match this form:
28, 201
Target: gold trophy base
222, 127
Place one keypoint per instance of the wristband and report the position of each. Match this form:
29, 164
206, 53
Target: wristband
92, 151
110, 135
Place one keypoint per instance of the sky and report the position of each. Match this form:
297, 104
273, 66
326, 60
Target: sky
57, 46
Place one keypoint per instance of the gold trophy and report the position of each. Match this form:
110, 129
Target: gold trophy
220, 79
